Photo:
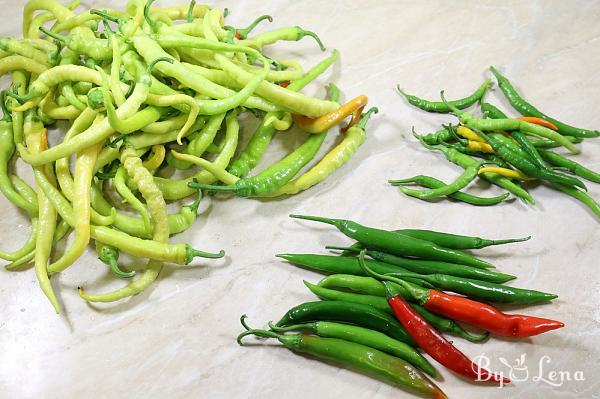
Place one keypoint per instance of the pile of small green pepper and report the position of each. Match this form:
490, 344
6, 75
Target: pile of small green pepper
507, 152
147, 92
356, 325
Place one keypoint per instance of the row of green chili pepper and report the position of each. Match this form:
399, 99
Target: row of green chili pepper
376, 314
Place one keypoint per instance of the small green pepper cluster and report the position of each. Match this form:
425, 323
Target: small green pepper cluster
507, 152
376, 314
147, 91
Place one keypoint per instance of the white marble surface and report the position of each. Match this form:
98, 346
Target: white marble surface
177, 339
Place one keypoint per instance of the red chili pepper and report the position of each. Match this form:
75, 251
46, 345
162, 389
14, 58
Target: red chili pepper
284, 84
538, 121
238, 36
434, 343
472, 312
487, 317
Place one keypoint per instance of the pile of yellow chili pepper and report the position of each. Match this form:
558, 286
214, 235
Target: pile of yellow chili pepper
147, 91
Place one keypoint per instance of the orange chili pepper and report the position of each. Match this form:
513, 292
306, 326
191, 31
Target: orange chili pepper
324, 122
538, 121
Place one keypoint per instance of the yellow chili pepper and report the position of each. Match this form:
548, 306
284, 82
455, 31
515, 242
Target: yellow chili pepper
325, 122
479, 146
468, 134
510, 173
156, 158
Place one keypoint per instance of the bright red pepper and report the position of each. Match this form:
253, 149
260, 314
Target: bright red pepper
434, 343
472, 312
487, 317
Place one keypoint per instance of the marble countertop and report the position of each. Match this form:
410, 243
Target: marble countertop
177, 339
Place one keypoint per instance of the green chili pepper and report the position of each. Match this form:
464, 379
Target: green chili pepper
511, 124
357, 356
484, 290
431, 267
348, 312
525, 164
465, 161
334, 159
441, 136
572, 166
431, 182
398, 244
276, 175
261, 138
455, 241
363, 336
338, 264
431, 106
542, 143
527, 145
579, 195
527, 109
461, 182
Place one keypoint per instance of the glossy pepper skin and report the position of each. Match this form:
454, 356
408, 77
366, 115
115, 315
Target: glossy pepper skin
434, 343
348, 312
379, 302
431, 267
527, 109
398, 244
466, 310
438, 106
359, 357
363, 336
487, 317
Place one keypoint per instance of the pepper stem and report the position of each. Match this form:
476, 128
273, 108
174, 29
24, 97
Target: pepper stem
252, 331
196, 204
54, 57
362, 124
399, 182
191, 253
53, 35
210, 187
452, 107
190, 12
156, 61
110, 256
350, 249
105, 15
472, 337
243, 33
313, 35
295, 327
416, 293
151, 22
